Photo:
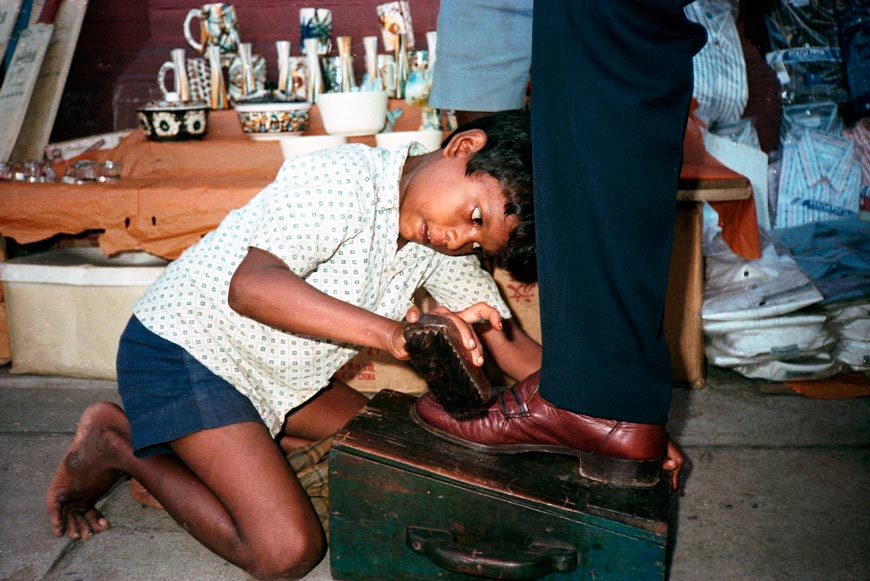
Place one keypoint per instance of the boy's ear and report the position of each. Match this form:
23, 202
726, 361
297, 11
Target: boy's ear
465, 143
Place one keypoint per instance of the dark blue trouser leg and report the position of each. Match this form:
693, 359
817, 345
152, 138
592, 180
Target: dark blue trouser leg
611, 85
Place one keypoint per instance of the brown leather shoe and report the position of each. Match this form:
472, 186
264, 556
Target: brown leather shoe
520, 420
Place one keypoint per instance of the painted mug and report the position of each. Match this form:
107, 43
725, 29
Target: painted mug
316, 23
387, 72
191, 84
218, 26
395, 19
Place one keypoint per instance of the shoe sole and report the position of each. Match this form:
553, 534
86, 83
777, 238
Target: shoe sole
453, 380
617, 472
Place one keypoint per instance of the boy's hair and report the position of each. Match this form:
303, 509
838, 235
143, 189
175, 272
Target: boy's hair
507, 156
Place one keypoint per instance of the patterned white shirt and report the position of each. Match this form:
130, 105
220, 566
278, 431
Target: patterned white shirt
333, 218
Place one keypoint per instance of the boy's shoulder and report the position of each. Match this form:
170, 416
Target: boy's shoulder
348, 154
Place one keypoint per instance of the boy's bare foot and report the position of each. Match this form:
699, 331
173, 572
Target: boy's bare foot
141, 495
87, 471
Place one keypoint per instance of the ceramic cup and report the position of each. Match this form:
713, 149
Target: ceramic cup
387, 72
298, 66
429, 138
315, 23
418, 60
218, 26
194, 77
333, 74
395, 19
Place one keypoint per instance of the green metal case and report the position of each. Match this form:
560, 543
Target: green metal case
406, 504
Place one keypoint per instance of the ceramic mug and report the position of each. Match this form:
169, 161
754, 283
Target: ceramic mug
315, 23
418, 60
395, 19
298, 66
218, 26
387, 72
195, 74
178, 67
334, 74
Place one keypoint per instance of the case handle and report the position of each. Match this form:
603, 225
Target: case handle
538, 559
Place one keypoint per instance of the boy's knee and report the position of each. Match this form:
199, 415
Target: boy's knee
293, 558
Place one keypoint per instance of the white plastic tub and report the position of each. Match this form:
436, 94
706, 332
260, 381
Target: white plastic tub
67, 308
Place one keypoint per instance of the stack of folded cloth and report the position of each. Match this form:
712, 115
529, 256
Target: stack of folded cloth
759, 317
850, 323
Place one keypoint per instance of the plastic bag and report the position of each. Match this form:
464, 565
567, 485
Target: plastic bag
721, 86
819, 180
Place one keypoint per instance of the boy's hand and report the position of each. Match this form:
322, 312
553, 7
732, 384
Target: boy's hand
397, 337
478, 313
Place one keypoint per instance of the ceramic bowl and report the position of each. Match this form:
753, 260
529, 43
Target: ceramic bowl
291, 146
270, 116
173, 120
355, 113
429, 138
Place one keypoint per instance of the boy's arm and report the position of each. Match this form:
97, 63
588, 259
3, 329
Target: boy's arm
265, 289
515, 353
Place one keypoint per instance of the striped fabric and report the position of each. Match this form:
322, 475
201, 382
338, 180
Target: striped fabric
721, 86
820, 179
860, 136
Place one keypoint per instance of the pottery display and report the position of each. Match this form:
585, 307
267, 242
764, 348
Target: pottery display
351, 114
173, 120
272, 115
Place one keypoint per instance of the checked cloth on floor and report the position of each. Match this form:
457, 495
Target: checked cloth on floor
311, 465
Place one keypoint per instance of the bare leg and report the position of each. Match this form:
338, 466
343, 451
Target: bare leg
321, 416
141, 495
230, 487
318, 418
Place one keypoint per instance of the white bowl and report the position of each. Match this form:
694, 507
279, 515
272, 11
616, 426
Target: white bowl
355, 113
429, 138
291, 146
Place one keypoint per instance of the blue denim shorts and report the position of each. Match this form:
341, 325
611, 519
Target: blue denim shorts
167, 394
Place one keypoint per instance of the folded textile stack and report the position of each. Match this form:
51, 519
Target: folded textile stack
801, 311
758, 317
835, 255
850, 324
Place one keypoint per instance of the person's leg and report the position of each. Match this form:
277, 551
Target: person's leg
318, 418
611, 85
230, 487
200, 448
484, 55
321, 416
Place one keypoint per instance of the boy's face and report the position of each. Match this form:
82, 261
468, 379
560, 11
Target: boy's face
450, 212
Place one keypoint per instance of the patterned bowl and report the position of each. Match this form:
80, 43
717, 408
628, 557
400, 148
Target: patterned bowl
271, 117
173, 120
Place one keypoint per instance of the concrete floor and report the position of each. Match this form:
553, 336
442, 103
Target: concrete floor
778, 488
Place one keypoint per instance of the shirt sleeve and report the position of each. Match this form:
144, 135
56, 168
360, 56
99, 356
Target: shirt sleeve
459, 282
306, 214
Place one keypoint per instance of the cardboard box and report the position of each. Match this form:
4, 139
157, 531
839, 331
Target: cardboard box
373, 370
67, 308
